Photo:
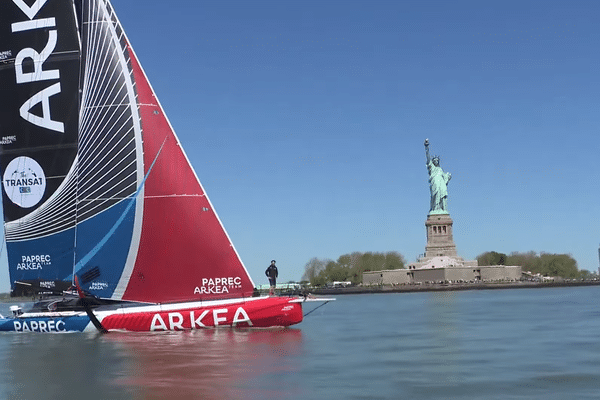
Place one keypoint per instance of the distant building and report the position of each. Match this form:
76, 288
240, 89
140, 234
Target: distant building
441, 263
441, 270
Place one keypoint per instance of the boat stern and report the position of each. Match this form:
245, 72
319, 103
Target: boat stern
275, 311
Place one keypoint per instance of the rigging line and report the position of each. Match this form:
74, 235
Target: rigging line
92, 121
113, 148
112, 189
109, 93
91, 34
146, 197
51, 209
106, 174
56, 177
85, 259
57, 216
174, 195
94, 35
111, 185
110, 72
66, 220
108, 136
114, 72
316, 308
3, 246
108, 105
91, 117
91, 207
101, 53
113, 75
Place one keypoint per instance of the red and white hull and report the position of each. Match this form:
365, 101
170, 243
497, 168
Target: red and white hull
256, 312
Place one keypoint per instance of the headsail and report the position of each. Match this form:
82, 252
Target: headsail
138, 225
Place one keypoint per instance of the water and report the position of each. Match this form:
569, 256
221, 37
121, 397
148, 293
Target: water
494, 344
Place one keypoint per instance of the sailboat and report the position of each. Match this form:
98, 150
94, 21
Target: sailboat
102, 207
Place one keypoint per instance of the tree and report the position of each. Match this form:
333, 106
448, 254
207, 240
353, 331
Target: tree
350, 267
394, 260
528, 261
546, 264
586, 275
312, 269
335, 272
492, 258
558, 265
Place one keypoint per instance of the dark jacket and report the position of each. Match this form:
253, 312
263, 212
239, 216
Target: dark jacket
271, 272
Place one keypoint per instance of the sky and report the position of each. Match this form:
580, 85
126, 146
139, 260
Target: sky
305, 121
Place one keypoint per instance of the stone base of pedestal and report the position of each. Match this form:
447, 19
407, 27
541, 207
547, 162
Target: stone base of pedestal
440, 244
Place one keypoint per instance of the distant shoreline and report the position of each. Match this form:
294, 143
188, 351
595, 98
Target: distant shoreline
449, 287
5, 297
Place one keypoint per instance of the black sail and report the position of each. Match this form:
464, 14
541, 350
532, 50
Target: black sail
39, 103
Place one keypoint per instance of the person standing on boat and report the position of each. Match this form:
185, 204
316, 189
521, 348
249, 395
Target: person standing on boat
272, 274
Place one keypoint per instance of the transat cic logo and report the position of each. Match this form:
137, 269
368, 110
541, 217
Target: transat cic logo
24, 182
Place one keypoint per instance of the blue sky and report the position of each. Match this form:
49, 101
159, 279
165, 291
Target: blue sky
305, 121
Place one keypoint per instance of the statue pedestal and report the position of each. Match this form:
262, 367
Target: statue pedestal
440, 242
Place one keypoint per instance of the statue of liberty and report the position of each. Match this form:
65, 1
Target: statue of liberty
438, 184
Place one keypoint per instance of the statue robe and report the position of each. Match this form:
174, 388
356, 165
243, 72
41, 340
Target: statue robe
438, 186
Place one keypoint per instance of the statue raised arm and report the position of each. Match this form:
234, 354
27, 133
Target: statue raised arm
438, 184
427, 150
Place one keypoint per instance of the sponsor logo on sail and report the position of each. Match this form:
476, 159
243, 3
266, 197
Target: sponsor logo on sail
24, 182
218, 285
8, 139
30, 67
98, 286
34, 262
4, 55
47, 284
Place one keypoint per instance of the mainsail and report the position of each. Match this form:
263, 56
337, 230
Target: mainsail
95, 182
39, 101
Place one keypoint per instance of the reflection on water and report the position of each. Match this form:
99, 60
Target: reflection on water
52, 366
529, 344
210, 364
444, 342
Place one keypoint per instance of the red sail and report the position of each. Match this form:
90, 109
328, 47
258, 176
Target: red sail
184, 252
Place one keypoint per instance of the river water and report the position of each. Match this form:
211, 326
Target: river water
485, 344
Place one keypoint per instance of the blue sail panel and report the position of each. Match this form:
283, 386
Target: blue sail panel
103, 265
48, 258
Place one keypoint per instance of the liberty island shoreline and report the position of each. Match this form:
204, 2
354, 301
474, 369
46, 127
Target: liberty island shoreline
447, 287
435, 287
